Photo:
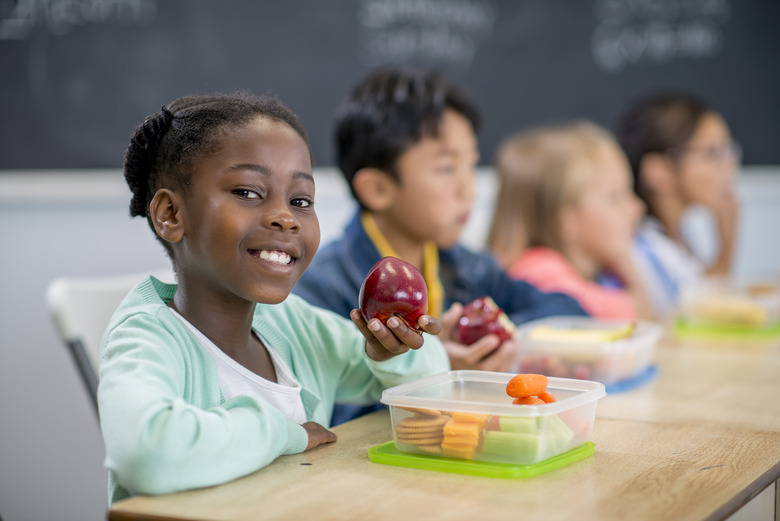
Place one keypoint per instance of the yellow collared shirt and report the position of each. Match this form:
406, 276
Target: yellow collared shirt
430, 271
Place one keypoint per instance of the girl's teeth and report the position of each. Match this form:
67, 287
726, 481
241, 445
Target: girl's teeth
274, 256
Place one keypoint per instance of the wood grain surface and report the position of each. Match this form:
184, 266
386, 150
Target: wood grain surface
640, 470
707, 382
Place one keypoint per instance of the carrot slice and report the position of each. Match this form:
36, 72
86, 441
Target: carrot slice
526, 385
528, 400
546, 397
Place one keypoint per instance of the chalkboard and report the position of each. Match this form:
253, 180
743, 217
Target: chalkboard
76, 76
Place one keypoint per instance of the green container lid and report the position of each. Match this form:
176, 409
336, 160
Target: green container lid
388, 454
685, 329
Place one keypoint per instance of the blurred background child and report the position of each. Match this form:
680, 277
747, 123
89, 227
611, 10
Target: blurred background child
406, 143
682, 155
566, 215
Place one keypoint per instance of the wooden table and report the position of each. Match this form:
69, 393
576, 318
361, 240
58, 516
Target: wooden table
707, 382
640, 470
697, 443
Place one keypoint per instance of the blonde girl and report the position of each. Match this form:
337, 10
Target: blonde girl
566, 216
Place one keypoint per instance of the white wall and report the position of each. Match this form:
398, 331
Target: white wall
76, 223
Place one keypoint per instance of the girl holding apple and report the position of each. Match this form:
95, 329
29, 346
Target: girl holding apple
212, 378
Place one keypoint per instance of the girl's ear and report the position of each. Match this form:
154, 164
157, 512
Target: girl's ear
375, 188
657, 173
165, 210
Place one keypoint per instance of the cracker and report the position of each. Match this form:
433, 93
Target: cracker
416, 422
416, 442
432, 440
422, 411
414, 430
420, 434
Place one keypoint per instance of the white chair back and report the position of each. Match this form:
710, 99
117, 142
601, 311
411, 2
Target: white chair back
81, 308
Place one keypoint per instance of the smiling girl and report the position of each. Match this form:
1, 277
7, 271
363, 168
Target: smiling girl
212, 378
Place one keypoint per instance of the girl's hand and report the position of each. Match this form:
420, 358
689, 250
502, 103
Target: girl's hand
623, 265
625, 269
318, 435
386, 341
726, 216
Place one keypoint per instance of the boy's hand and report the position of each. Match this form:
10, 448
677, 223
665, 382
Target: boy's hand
386, 341
318, 435
485, 354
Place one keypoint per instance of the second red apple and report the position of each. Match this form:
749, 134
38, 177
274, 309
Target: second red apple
483, 317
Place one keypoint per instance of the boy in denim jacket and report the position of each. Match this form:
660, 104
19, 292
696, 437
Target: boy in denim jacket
406, 145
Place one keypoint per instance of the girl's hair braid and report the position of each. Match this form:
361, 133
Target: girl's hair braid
141, 156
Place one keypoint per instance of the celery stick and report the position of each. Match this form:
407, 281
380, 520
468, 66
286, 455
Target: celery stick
555, 434
553, 423
513, 447
518, 424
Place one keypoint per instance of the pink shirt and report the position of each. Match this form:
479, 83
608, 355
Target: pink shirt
548, 270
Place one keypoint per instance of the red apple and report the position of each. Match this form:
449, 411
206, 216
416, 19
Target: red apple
483, 317
394, 287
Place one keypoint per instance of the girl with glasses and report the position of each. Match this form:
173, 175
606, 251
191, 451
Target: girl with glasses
682, 155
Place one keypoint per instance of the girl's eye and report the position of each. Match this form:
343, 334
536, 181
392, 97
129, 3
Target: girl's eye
246, 194
302, 202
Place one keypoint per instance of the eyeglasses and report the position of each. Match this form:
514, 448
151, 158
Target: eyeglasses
716, 154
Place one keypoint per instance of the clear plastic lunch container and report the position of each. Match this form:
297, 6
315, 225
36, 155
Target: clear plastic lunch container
607, 351
468, 415
720, 302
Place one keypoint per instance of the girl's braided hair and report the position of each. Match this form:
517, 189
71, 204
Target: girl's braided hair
167, 144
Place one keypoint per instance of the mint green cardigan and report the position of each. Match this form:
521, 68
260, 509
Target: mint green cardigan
166, 425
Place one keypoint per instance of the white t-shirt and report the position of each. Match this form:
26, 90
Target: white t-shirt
237, 380
665, 266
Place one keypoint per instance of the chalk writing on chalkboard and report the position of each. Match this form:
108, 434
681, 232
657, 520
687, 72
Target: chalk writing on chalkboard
631, 32
423, 32
60, 16
76, 76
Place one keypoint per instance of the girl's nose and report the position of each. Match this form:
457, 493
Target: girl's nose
285, 222
278, 216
